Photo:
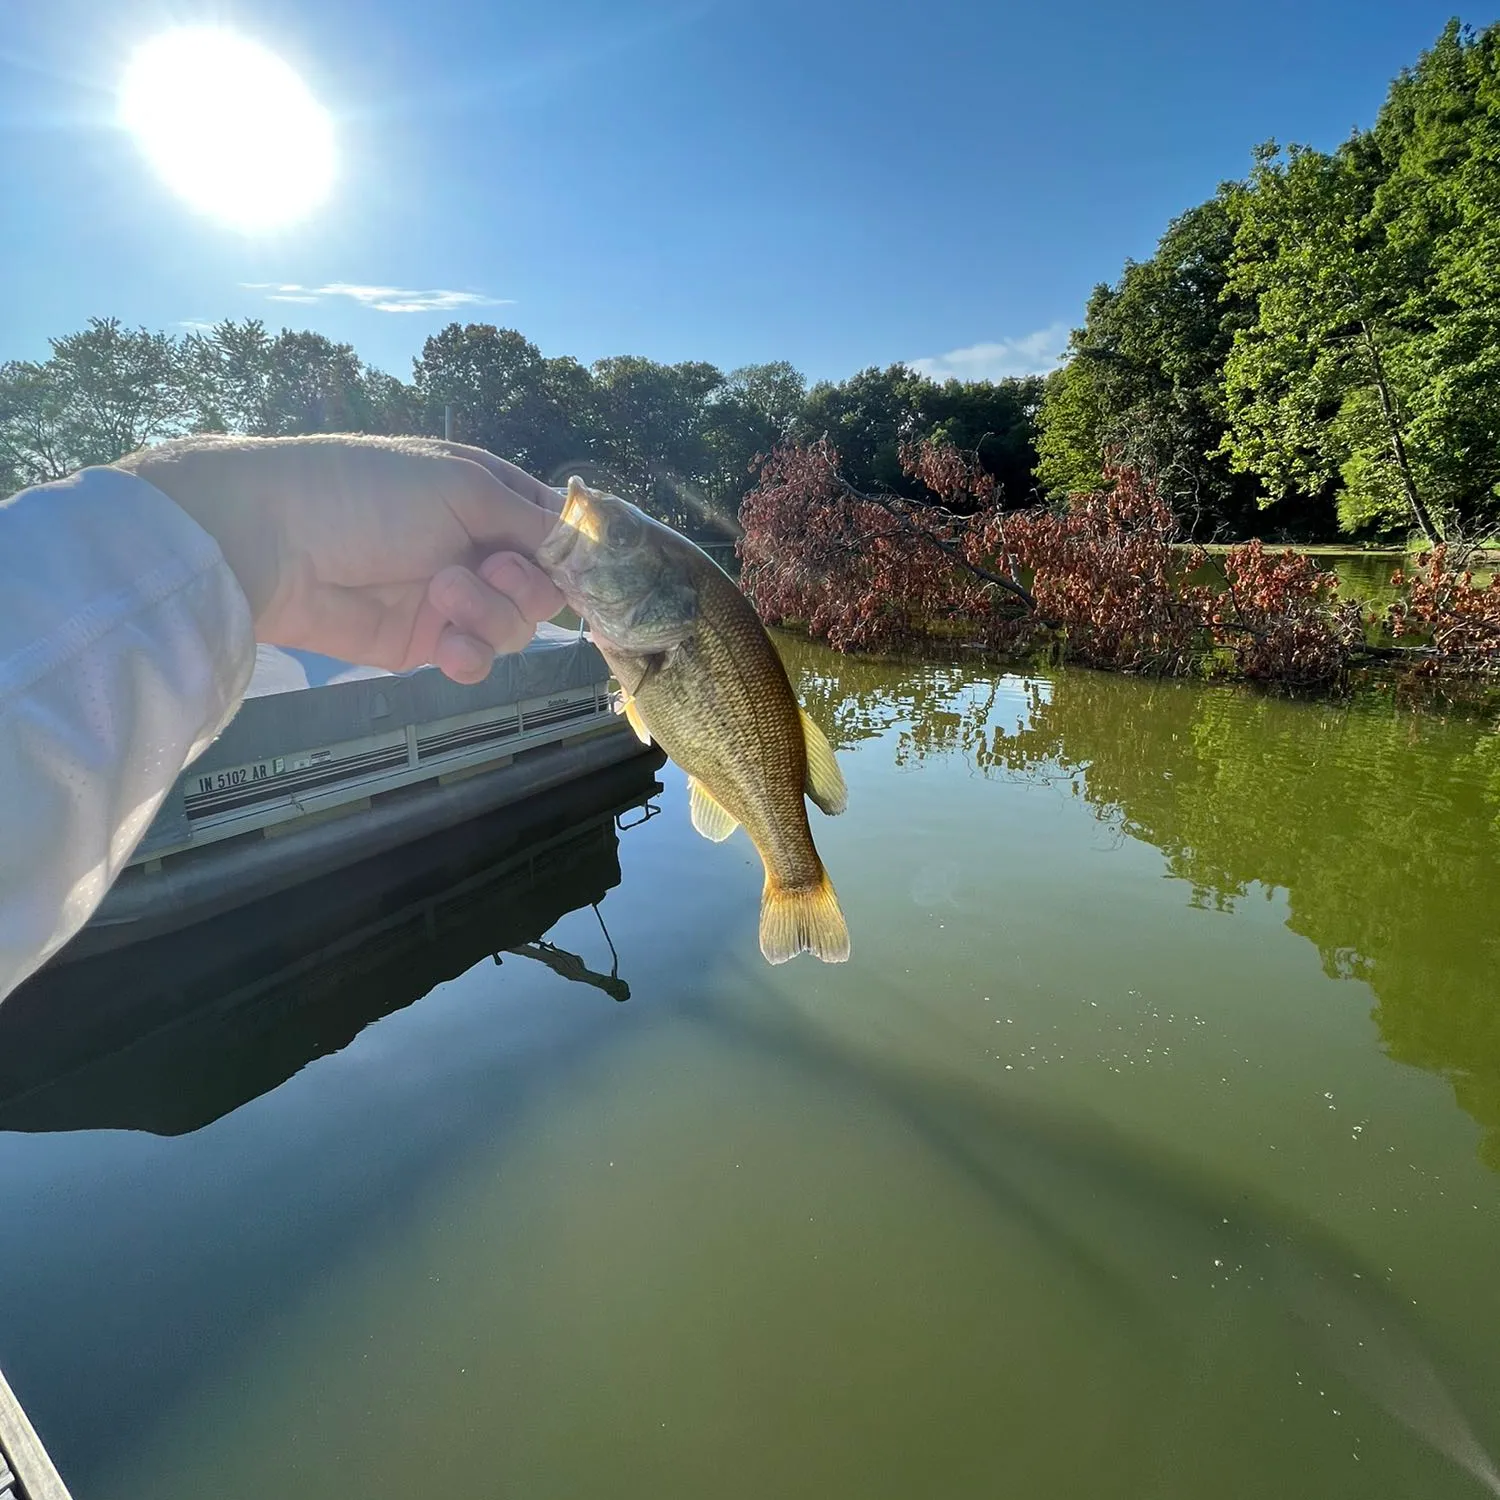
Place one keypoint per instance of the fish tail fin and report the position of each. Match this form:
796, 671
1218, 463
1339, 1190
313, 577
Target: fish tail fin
803, 919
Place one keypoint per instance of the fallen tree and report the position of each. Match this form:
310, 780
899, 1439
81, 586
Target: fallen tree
1106, 579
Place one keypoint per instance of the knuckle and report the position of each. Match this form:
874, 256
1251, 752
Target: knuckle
452, 590
509, 572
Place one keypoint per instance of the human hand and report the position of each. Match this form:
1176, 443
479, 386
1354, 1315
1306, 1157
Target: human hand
386, 552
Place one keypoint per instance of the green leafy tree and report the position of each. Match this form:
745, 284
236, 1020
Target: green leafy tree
1320, 386
1438, 141
1071, 425
1144, 384
652, 433
868, 417
749, 415
244, 379
573, 402
995, 420
36, 441
104, 392
506, 396
229, 375
1320, 344
388, 405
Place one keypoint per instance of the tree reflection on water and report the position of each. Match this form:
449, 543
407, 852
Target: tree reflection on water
1381, 826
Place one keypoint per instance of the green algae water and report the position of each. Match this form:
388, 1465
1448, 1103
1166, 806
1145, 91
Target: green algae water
1149, 1145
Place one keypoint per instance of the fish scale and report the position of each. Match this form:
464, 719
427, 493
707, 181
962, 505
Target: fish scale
699, 674
705, 700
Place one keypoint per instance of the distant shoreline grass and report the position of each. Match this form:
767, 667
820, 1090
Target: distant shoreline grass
1333, 549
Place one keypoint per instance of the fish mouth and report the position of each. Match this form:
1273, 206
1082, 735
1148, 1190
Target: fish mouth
579, 513
556, 546
578, 520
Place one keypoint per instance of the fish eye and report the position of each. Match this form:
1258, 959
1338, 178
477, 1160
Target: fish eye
622, 530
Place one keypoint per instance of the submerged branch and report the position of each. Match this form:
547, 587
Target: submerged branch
1108, 577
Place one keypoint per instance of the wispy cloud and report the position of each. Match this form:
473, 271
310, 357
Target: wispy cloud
388, 299
1031, 354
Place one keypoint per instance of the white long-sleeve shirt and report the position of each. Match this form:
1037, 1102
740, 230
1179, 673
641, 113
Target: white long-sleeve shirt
126, 646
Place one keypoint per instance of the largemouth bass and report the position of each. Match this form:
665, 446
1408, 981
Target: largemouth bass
699, 675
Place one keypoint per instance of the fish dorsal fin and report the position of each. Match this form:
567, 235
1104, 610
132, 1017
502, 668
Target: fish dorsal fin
709, 818
825, 782
632, 714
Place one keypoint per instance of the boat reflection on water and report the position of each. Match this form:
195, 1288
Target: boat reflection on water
177, 1031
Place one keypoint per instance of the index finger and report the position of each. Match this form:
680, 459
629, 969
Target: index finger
497, 516
528, 486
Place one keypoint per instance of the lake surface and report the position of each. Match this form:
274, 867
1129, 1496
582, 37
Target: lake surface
1147, 1147
1365, 576
1362, 576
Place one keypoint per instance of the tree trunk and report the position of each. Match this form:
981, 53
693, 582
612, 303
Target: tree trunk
1398, 443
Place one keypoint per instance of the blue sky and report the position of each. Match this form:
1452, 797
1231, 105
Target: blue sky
836, 184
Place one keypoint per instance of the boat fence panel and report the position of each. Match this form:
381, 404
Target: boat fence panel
292, 750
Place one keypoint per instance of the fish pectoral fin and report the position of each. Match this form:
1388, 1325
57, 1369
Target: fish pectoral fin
825, 782
626, 706
709, 818
803, 920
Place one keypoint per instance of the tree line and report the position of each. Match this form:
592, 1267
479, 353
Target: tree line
1313, 352
1316, 349
681, 438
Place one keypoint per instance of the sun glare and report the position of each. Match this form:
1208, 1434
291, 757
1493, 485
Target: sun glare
229, 126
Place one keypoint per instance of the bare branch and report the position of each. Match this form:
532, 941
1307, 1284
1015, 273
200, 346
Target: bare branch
890, 506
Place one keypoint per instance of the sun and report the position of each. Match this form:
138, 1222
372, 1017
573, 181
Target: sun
229, 126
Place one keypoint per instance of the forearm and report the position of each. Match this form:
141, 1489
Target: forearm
125, 647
